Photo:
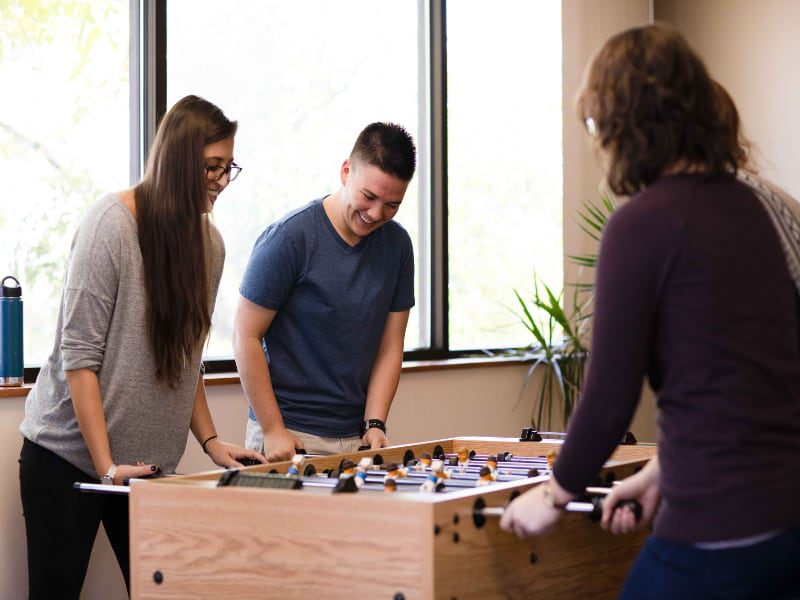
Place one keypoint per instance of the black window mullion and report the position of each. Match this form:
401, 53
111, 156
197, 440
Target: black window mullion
438, 147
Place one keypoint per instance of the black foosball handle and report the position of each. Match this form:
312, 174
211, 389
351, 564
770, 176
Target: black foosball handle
597, 513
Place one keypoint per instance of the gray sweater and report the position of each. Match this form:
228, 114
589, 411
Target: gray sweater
102, 326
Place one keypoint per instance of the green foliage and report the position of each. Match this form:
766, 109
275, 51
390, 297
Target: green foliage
592, 220
558, 346
60, 177
558, 350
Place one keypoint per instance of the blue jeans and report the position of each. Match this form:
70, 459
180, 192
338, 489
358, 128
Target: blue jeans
769, 569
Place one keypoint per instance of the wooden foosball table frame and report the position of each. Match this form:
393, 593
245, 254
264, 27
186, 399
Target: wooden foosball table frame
192, 539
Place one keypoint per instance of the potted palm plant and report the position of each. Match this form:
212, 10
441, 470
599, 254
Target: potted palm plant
559, 348
558, 351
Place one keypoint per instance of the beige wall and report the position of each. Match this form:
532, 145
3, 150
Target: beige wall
753, 49
586, 24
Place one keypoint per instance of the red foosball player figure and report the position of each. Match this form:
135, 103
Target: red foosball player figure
486, 476
463, 459
389, 485
551, 458
393, 471
424, 462
297, 462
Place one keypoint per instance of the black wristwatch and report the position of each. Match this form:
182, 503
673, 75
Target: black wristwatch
370, 423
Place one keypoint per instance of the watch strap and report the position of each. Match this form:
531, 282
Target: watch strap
370, 423
108, 478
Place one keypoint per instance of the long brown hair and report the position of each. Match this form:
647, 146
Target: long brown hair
173, 232
655, 107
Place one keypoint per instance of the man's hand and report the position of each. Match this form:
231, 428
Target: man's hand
281, 445
375, 438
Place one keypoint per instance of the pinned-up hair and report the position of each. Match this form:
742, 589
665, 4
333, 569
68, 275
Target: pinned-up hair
654, 107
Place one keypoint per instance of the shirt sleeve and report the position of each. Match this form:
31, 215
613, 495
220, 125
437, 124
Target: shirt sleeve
634, 257
273, 269
90, 294
403, 298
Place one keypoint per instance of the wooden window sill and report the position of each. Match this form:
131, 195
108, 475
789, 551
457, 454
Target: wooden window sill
414, 366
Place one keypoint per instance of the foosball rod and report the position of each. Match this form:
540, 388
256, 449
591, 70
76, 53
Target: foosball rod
594, 508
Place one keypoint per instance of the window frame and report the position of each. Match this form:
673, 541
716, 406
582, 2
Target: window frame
148, 104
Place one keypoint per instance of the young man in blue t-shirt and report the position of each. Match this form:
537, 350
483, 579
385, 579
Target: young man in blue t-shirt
323, 308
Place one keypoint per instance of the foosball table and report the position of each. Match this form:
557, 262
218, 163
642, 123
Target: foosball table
298, 530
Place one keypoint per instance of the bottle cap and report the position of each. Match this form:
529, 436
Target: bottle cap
10, 291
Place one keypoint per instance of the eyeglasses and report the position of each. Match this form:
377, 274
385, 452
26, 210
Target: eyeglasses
591, 126
215, 173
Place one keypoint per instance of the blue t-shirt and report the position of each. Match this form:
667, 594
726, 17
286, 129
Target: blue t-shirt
332, 302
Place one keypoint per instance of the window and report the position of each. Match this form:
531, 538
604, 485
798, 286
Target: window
64, 140
504, 164
302, 79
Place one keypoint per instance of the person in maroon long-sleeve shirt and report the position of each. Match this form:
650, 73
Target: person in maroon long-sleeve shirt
693, 291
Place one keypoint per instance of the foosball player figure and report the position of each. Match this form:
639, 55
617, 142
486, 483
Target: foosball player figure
424, 462
551, 458
435, 480
389, 485
432, 484
394, 472
463, 459
491, 462
348, 469
361, 471
485, 476
438, 469
297, 462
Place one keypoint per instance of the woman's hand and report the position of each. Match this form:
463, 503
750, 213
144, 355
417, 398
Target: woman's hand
530, 514
642, 487
126, 472
227, 455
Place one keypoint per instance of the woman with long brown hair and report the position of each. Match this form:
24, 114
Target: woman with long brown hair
693, 291
123, 385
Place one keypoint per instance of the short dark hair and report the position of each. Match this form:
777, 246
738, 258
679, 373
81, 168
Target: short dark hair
655, 106
387, 146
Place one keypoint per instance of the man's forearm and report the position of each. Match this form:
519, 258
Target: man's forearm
383, 385
257, 384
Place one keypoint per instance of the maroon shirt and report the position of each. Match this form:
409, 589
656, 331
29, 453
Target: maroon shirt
693, 291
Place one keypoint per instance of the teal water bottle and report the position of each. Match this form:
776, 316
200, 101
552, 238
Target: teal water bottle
12, 370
